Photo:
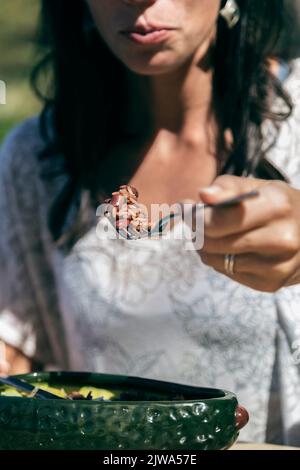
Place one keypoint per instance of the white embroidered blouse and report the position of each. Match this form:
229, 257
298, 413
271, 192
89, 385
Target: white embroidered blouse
150, 309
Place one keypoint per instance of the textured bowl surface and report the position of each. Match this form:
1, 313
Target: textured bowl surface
204, 420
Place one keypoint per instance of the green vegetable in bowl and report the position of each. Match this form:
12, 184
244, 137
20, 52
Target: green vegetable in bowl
10, 392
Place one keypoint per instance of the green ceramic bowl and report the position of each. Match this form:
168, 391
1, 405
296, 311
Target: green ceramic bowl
155, 416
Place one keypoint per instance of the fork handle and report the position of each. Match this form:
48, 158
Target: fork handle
234, 200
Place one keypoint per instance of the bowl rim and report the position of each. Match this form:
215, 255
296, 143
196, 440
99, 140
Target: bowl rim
117, 379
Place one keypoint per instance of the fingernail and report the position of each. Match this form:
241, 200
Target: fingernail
211, 189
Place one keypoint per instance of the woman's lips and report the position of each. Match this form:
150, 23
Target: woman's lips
148, 37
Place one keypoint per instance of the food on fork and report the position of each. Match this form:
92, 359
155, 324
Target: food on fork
128, 216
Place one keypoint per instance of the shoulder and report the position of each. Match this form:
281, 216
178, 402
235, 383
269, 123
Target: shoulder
284, 154
295, 68
20, 149
23, 163
292, 83
21, 196
32, 175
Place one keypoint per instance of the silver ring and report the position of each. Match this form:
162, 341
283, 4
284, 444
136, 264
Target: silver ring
229, 261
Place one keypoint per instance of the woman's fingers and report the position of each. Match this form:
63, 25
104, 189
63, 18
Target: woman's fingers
4, 364
271, 204
4, 368
263, 233
244, 263
278, 237
258, 272
227, 186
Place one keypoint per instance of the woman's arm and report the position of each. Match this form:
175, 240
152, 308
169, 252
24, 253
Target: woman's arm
23, 257
12, 361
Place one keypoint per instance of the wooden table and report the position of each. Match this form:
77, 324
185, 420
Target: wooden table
244, 446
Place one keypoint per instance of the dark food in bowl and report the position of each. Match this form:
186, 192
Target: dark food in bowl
89, 393
132, 413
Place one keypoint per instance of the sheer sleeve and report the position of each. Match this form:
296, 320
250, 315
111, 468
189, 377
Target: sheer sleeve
285, 154
20, 243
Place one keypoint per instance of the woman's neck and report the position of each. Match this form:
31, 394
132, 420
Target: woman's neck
181, 102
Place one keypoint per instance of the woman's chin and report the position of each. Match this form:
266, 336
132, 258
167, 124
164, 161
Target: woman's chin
156, 65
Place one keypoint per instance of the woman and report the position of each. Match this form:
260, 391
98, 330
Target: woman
174, 97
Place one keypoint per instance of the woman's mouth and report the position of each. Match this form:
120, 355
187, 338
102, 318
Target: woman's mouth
149, 37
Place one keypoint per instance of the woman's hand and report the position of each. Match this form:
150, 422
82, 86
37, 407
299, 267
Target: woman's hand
4, 364
263, 233
13, 361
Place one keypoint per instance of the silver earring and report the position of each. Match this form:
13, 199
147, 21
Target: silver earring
231, 13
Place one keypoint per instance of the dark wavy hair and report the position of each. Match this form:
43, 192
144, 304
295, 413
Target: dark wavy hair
88, 97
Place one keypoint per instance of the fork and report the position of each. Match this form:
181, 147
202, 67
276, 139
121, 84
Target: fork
160, 226
24, 386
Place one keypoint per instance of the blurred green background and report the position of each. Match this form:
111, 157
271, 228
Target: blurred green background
18, 24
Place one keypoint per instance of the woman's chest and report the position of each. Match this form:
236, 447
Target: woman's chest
168, 177
164, 171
